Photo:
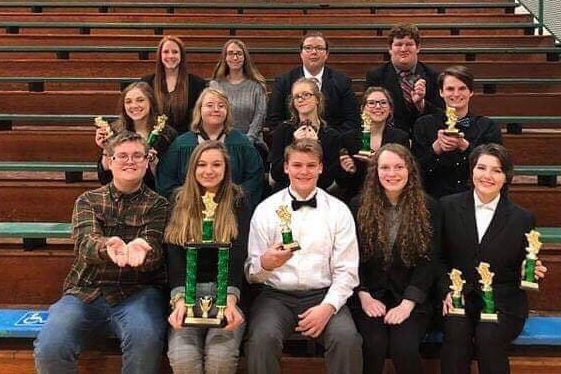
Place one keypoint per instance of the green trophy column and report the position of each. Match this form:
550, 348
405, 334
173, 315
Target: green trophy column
222, 277
529, 270
488, 302
208, 230
191, 276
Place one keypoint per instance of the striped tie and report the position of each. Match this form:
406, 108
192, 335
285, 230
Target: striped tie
406, 87
316, 81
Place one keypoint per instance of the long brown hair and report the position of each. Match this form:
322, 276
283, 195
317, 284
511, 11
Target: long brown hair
179, 100
185, 224
414, 234
221, 70
125, 122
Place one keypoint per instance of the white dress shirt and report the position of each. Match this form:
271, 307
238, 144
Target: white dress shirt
328, 257
484, 214
317, 78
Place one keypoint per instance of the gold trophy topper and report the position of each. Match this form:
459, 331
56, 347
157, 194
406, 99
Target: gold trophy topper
210, 205
534, 244
285, 217
451, 120
484, 270
160, 124
99, 122
457, 282
366, 122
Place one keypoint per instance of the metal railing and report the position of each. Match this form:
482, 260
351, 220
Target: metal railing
548, 14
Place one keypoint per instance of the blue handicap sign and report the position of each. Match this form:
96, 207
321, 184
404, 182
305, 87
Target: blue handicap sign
33, 319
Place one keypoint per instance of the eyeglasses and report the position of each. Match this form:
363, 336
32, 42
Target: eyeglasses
235, 54
374, 103
212, 106
313, 48
302, 96
123, 158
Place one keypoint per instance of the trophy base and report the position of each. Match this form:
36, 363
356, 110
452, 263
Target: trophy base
489, 317
294, 246
460, 312
454, 132
529, 286
365, 153
204, 322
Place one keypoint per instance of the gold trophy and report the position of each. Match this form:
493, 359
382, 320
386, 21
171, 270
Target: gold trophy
529, 265
208, 220
365, 149
100, 123
285, 217
488, 314
451, 120
457, 286
160, 124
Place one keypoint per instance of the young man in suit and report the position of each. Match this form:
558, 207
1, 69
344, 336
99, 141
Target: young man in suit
341, 107
413, 85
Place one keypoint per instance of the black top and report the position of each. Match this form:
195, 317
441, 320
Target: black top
182, 121
341, 107
405, 116
164, 140
352, 141
238, 252
502, 246
283, 135
395, 282
449, 172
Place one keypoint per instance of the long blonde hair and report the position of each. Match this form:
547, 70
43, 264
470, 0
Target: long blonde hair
185, 224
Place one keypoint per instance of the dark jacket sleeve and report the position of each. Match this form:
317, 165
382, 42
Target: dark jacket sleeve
281, 137
238, 253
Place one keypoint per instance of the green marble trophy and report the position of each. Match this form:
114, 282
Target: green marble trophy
451, 120
457, 286
488, 314
207, 261
160, 124
285, 217
365, 149
529, 265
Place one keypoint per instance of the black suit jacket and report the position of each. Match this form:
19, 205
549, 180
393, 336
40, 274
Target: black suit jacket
502, 246
404, 116
341, 107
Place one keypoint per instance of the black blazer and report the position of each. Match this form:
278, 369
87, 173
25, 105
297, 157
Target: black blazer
182, 121
448, 173
396, 282
502, 246
341, 107
404, 116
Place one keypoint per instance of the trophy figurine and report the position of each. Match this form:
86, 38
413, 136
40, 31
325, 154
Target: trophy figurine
160, 124
451, 120
529, 265
285, 217
457, 286
99, 122
488, 314
207, 261
365, 149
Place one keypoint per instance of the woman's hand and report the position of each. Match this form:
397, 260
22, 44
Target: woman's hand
305, 132
100, 137
447, 304
232, 314
370, 306
400, 313
347, 164
540, 270
153, 160
177, 315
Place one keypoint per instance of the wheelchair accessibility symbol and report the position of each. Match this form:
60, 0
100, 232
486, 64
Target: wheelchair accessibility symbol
33, 319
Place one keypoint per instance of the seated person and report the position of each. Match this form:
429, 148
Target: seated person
444, 158
303, 290
116, 280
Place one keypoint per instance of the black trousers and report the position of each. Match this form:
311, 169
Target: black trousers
401, 342
464, 336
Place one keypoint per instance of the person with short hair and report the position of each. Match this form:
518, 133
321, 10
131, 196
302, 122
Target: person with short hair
444, 158
412, 83
116, 280
341, 108
304, 290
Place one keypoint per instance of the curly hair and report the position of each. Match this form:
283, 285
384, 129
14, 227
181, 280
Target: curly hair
415, 231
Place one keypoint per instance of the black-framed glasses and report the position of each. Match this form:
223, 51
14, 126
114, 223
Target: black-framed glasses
313, 48
238, 54
373, 103
302, 96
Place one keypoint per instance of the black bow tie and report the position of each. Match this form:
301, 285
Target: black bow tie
297, 204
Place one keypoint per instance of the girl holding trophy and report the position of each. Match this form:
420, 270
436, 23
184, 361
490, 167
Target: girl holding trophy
484, 238
206, 349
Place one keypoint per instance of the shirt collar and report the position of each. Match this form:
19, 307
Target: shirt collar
117, 195
491, 205
300, 198
308, 75
412, 70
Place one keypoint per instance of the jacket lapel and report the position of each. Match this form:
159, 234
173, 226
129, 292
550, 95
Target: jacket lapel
467, 217
499, 221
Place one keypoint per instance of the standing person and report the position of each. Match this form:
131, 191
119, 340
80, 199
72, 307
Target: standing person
483, 225
212, 120
307, 109
245, 87
444, 158
340, 100
138, 113
116, 279
377, 105
398, 229
411, 83
304, 290
207, 350
175, 89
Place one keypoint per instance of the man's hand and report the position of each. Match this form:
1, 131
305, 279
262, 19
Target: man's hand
449, 143
400, 313
370, 306
117, 251
313, 321
137, 250
274, 257
232, 314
